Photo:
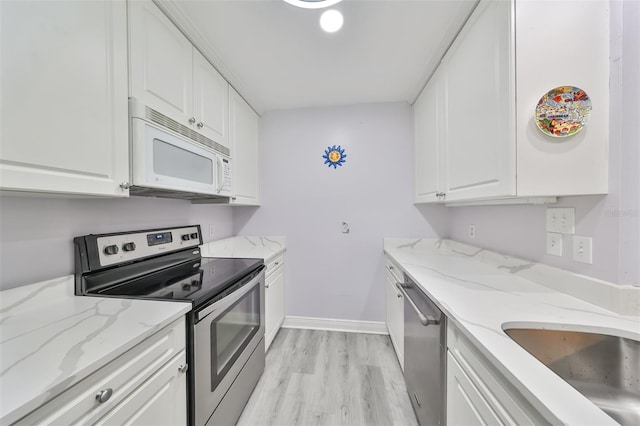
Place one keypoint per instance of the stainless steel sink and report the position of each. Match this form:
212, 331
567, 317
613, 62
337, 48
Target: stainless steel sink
604, 368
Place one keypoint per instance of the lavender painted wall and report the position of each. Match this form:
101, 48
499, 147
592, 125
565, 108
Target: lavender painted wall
613, 220
330, 274
36, 233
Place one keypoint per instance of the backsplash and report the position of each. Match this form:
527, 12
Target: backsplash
36, 232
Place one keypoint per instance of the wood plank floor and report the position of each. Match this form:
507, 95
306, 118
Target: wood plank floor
329, 378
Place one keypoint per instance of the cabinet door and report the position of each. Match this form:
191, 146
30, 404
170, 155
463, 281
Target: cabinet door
161, 400
465, 404
161, 62
429, 155
244, 138
395, 316
63, 127
274, 305
480, 106
211, 100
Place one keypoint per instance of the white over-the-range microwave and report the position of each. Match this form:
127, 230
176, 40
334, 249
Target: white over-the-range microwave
171, 160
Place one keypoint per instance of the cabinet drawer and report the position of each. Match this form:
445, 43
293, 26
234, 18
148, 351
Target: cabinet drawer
123, 375
465, 404
161, 400
274, 264
505, 400
394, 270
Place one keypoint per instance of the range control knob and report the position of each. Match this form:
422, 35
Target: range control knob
186, 287
185, 237
129, 246
194, 236
195, 283
109, 250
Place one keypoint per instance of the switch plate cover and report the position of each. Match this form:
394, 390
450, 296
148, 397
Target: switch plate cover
582, 249
561, 220
554, 243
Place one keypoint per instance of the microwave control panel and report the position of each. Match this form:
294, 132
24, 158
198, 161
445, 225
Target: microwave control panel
225, 185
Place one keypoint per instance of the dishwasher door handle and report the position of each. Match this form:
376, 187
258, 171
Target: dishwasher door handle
424, 319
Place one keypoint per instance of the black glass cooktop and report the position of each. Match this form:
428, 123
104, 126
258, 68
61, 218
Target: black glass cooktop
199, 281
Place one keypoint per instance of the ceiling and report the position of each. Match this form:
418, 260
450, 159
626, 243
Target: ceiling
277, 57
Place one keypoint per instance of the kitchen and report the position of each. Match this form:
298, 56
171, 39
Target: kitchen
372, 192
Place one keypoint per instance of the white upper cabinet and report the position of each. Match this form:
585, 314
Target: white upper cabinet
160, 60
168, 74
63, 127
480, 153
211, 100
244, 144
429, 155
475, 133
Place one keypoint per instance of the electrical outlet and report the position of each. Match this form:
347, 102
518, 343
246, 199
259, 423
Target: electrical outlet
583, 249
554, 243
472, 231
211, 233
561, 220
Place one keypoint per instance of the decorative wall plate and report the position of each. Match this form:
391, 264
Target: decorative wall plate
563, 111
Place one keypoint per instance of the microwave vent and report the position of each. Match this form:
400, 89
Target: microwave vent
163, 120
194, 197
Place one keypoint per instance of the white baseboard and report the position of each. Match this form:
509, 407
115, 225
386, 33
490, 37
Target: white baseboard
349, 326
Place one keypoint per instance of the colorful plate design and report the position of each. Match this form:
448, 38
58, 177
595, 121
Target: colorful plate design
563, 111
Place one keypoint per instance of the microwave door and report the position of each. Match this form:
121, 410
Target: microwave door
164, 161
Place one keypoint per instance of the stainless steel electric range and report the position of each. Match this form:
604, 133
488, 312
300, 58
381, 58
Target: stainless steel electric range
225, 329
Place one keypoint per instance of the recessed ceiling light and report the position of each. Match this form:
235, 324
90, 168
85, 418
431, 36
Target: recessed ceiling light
313, 4
331, 21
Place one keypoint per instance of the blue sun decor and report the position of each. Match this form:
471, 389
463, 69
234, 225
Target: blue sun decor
334, 156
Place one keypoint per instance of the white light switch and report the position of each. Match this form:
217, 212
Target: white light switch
582, 249
554, 243
561, 220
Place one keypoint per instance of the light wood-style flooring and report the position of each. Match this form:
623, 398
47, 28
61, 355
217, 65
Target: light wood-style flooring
329, 378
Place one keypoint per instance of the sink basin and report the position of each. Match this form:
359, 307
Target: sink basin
604, 368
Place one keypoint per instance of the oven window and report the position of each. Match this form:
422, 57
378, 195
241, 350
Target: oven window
232, 332
170, 160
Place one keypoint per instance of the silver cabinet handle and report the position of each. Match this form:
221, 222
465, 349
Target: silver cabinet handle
125, 185
200, 125
183, 368
104, 395
424, 319
192, 120
277, 263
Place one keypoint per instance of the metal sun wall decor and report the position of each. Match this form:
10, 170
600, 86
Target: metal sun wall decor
334, 156
563, 111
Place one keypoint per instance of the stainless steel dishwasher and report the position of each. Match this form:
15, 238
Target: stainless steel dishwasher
425, 349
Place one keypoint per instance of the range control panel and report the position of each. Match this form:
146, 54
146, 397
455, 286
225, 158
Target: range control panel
118, 248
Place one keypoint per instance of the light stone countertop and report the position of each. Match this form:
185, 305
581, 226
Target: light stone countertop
480, 291
255, 247
51, 339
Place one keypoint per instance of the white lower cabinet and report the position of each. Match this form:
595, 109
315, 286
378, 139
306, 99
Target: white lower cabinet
477, 393
395, 309
273, 299
146, 385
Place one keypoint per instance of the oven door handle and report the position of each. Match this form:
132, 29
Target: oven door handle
230, 299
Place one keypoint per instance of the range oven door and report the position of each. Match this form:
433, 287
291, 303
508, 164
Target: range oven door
225, 335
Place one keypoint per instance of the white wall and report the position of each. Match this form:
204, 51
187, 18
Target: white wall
331, 274
36, 233
613, 220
